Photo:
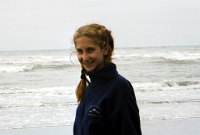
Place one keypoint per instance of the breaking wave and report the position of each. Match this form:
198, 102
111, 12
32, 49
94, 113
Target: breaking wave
14, 68
166, 85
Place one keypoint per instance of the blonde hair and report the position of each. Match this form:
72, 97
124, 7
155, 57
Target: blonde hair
100, 36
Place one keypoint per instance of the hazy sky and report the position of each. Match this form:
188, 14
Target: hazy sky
50, 24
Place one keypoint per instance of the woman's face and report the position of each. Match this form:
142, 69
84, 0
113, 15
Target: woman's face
89, 54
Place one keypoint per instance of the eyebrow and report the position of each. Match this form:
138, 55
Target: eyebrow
86, 48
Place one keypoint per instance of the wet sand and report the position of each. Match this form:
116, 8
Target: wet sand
165, 127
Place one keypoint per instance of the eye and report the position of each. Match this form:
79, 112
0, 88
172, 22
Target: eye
79, 51
90, 49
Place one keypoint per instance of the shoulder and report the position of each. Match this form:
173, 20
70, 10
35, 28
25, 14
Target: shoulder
121, 95
124, 88
122, 82
120, 87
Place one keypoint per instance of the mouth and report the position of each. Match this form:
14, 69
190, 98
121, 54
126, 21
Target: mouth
88, 63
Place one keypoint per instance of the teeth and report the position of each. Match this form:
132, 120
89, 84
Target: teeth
87, 63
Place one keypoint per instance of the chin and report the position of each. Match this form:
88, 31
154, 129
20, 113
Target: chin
89, 70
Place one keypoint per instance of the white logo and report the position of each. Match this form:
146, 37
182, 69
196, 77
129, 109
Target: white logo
95, 111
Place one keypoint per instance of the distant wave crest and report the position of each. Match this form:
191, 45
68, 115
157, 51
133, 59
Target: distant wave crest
172, 56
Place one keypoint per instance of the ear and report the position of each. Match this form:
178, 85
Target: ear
105, 50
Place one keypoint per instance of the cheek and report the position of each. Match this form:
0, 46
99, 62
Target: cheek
101, 55
79, 57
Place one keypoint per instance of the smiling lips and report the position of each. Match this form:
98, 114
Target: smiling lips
88, 63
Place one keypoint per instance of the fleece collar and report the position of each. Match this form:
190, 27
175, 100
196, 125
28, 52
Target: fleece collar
107, 73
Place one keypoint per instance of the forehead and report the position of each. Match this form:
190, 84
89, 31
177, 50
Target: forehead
84, 42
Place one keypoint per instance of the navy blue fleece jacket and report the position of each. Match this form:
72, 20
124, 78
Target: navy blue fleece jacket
108, 107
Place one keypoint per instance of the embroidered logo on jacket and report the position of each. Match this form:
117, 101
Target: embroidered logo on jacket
95, 111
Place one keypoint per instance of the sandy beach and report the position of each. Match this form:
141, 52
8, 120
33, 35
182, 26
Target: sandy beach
172, 127
63, 130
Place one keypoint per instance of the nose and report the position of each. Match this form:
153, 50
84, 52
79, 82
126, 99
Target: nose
83, 56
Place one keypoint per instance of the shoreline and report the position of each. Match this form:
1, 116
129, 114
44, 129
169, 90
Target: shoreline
165, 127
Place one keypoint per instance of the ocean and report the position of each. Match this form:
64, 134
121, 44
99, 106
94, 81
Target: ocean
37, 87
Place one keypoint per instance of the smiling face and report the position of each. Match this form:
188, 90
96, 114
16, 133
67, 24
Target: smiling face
89, 54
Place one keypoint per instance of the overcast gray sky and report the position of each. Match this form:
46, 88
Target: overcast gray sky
50, 24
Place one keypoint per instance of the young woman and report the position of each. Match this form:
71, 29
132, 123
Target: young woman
107, 103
